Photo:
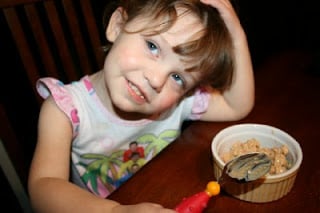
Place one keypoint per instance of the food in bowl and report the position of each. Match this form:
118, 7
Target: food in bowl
278, 155
271, 187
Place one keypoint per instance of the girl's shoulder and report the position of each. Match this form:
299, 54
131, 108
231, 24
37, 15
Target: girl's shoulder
64, 95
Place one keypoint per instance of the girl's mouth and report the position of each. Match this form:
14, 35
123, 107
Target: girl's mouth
136, 93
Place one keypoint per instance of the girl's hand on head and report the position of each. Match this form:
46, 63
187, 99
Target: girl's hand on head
142, 207
229, 16
238, 100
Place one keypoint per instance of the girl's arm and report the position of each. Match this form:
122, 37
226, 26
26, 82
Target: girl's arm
236, 102
48, 184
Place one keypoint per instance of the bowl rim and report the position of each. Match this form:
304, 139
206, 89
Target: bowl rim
295, 143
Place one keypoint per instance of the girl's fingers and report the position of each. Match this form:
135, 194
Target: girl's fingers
228, 14
214, 3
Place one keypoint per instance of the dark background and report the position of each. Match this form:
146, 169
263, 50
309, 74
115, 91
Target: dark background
272, 27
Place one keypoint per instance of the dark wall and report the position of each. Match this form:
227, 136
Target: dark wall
275, 26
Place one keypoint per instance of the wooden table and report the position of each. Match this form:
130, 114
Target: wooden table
287, 97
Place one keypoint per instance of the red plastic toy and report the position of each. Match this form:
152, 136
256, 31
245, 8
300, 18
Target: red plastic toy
198, 202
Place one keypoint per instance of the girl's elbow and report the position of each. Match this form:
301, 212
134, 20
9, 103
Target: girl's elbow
245, 111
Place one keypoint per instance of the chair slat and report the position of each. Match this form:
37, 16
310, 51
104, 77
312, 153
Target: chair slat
14, 3
62, 45
23, 47
77, 36
94, 33
42, 42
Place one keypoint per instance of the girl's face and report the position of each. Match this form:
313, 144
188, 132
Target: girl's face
143, 75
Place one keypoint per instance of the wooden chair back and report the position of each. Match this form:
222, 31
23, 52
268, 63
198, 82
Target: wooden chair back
57, 38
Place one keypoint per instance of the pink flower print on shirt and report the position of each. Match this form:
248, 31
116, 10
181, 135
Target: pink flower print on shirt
88, 85
74, 116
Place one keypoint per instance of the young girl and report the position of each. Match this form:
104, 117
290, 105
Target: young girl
170, 61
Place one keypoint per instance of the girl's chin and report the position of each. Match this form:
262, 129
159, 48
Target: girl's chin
127, 114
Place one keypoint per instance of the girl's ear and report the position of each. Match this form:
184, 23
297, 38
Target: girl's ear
115, 25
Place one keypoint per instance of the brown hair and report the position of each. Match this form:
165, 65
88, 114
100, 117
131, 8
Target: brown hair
211, 53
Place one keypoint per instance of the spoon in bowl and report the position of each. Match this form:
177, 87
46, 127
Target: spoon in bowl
245, 168
242, 169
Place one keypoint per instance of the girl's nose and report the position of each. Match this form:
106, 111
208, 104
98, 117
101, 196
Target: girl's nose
156, 79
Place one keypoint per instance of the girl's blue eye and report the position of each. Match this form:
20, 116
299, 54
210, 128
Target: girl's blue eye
153, 48
178, 79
